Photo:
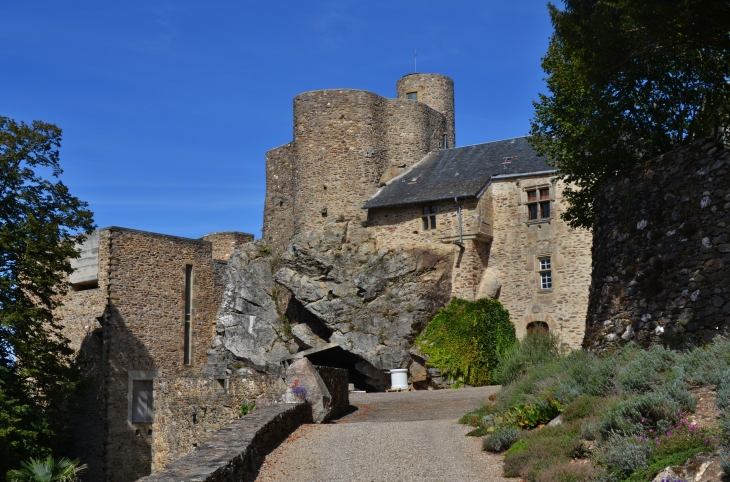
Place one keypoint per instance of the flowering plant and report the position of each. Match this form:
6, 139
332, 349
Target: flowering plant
297, 391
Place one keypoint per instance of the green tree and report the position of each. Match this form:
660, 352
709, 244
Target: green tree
466, 339
40, 222
48, 470
629, 80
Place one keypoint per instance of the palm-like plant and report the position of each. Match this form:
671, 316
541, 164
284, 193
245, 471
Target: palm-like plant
48, 470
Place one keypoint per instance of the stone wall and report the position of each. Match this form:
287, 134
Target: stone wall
346, 144
215, 403
434, 90
224, 242
280, 198
661, 256
236, 452
513, 261
401, 227
81, 315
336, 381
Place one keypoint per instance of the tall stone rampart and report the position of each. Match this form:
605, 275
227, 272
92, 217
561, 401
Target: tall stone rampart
347, 143
661, 252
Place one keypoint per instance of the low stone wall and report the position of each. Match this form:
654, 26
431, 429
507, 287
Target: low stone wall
236, 452
188, 410
661, 252
336, 380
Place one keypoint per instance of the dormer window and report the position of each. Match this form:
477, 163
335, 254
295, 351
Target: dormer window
412, 95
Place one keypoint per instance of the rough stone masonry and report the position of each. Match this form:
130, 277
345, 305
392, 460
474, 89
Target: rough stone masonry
661, 253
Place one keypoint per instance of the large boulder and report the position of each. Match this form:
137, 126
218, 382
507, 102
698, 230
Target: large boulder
305, 375
370, 301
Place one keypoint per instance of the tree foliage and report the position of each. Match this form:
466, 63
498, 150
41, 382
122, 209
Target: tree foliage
628, 81
40, 222
465, 340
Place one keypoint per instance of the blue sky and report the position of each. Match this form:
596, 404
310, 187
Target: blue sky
168, 108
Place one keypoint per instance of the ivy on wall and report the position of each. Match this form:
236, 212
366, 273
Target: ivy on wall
465, 340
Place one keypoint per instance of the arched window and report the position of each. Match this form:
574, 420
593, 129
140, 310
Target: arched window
538, 326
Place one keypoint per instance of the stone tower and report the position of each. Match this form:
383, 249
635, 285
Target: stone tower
434, 90
347, 144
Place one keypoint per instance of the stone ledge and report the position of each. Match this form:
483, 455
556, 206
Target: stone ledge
236, 452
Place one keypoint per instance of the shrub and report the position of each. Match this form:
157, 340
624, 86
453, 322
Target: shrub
534, 414
501, 439
516, 448
567, 472
725, 462
583, 407
466, 340
535, 349
48, 470
626, 454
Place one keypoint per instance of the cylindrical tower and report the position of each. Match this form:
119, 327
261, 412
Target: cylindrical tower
434, 90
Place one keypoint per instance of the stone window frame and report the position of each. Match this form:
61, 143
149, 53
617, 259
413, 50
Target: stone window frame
541, 269
524, 198
132, 375
428, 218
418, 95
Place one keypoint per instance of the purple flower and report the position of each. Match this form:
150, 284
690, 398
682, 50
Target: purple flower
300, 392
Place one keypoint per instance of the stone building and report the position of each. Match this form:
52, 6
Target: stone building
141, 305
497, 204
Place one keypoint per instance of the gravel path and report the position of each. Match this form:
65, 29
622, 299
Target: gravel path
411, 436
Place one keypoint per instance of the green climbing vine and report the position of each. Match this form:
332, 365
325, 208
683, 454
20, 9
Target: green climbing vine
465, 340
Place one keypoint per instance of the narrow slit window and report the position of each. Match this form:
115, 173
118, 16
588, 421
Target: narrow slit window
445, 142
546, 274
142, 409
428, 218
188, 313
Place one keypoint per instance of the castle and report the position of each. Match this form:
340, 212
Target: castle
391, 164
143, 305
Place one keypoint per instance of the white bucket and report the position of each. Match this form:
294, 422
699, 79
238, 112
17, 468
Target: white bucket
399, 378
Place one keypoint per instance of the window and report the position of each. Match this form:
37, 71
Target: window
412, 95
445, 142
429, 217
188, 313
142, 410
546, 274
538, 203
538, 326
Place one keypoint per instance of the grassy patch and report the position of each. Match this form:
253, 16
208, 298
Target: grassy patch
631, 404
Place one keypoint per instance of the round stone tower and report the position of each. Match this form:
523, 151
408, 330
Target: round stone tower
434, 90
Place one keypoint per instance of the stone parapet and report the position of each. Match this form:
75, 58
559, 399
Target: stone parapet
224, 242
237, 451
661, 252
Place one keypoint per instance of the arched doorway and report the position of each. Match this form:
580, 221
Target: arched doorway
539, 326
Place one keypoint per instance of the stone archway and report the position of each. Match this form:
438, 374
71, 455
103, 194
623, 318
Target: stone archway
537, 326
532, 321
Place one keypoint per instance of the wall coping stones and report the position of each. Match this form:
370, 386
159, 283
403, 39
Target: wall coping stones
236, 452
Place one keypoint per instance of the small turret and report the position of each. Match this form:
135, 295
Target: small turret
434, 90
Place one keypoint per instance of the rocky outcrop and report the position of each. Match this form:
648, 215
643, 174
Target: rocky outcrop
369, 301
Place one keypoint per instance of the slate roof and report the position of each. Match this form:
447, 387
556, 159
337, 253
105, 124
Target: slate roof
461, 171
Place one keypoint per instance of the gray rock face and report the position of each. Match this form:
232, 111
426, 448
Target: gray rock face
369, 301
305, 375
305, 338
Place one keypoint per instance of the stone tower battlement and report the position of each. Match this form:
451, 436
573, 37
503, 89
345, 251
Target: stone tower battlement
347, 143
